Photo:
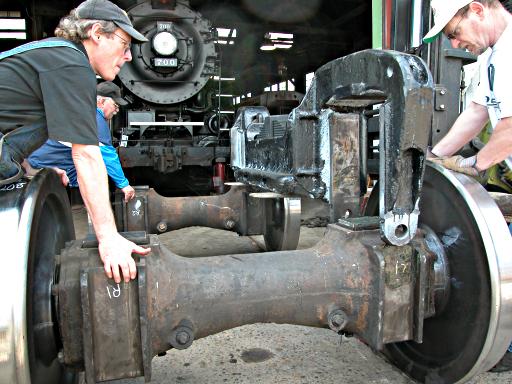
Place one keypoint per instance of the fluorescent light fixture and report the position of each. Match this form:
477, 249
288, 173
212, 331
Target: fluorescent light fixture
226, 32
13, 35
267, 47
223, 95
280, 36
225, 42
227, 112
223, 78
13, 24
282, 46
273, 40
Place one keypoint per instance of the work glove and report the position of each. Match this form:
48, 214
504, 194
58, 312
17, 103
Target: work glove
458, 163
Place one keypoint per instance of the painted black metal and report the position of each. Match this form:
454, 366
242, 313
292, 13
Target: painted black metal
293, 162
195, 54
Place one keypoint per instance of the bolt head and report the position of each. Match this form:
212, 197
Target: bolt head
182, 337
161, 227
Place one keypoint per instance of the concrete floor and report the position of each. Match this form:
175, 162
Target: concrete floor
267, 353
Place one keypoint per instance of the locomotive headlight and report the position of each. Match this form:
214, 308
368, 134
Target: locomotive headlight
165, 43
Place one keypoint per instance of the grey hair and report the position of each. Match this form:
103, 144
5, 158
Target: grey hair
72, 28
488, 3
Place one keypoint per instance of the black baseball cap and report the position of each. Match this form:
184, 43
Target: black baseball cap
105, 10
109, 89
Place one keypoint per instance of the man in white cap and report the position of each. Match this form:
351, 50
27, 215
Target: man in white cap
48, 90
476, 26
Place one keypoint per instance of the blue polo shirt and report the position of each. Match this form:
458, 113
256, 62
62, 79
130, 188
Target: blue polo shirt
57, 154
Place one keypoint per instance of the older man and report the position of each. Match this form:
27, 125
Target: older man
476, 26
48, 89
57, 154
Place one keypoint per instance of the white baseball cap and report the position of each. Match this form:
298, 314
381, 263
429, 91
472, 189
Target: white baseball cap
443, 10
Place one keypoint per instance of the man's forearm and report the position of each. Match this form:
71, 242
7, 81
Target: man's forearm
93, 183
499, 146
466, 127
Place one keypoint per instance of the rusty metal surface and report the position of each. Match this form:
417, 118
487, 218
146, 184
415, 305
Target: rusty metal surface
111, 327
342, 272
218, 293
351, 282
148, 211
345, 168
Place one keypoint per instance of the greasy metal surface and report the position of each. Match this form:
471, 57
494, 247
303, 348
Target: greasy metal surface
148, 211
282, 223
36, 222
473, 322
295, 161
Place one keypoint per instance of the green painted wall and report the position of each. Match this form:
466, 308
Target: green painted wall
377, 24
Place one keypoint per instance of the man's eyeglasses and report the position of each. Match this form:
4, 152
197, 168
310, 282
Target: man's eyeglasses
126, 43
456, 30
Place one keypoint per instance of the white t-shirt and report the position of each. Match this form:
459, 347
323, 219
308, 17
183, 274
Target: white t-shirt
495, 88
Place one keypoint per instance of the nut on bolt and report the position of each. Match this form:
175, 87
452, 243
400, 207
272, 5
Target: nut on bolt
229, 223
182, 336
337, 320
161, 227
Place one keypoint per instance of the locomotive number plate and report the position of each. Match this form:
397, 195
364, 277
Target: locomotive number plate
166, 62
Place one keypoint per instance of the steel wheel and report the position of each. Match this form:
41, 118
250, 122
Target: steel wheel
473, 330
282, 223
37, 217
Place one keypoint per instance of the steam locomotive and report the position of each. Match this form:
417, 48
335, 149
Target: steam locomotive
172, 137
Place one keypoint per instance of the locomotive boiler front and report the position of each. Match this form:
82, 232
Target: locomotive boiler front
179, 58
166, 139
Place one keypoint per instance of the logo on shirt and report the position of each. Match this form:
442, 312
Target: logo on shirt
492, 102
